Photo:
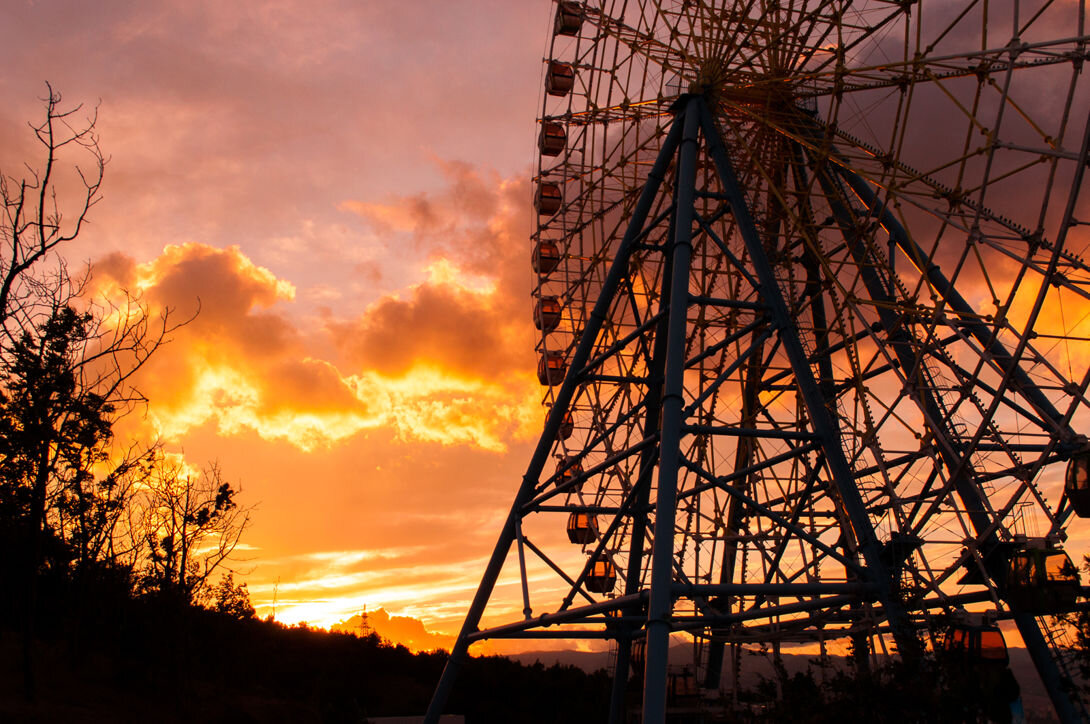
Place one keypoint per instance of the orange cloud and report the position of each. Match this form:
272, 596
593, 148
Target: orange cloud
447, 359
468, 332
407, 401
405, 630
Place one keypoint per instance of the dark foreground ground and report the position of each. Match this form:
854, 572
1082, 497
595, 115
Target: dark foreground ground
203, 666
758, 668
150, 663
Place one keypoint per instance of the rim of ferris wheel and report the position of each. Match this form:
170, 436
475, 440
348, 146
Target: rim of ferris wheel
790, 330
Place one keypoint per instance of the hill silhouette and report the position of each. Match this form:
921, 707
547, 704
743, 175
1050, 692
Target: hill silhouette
156, 662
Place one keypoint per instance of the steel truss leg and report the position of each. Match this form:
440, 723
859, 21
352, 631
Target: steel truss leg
617, 271
661, 601
1046, 667
816, 405
967, 316
648, 460
660, 605
966, 489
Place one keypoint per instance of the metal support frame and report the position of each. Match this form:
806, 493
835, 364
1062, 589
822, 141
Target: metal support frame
816, 405
660, 603
665, 422
617, 271
955, 462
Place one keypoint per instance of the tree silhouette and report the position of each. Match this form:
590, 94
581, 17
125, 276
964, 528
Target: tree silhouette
230, 598
36, 218
63, 385
191, 524
66, 369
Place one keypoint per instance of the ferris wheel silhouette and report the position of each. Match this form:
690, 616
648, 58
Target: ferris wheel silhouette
800, 274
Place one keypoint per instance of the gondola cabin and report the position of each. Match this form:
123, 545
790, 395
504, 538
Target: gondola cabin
582, 528
548, 198
569, 18
681, 686
559, 79
976, 645
547, 313
553, 139
569, 469
551, 368
546, 257
602, 577
1041, 581
567, 425
1077, 485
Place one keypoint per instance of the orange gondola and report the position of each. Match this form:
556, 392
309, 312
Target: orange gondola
570, 469
582, 528
547, 313
553, 139
602, 577
976, 645
567, 425
559, 79
551, 368
569, 18
639, 655
1077, 485
681, 686
1041, 581
546, 257
548, 199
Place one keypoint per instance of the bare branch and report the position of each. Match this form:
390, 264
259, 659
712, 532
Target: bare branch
34, 223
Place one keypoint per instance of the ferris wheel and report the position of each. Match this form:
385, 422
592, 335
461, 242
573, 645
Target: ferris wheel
813, 317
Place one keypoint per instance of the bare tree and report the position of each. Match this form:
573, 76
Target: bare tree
191, 526
67, 365
35, 221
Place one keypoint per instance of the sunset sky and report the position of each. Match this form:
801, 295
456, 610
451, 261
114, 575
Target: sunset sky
344, 187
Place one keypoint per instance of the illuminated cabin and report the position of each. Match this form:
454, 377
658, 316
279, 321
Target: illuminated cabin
1077, 485
546, 313
569, 470
559, 79
548, 198
569, 18
546, 257
1041, 581
551, 368
681, 686
553, 139
602, 577
973, 645
582, 528
567, 425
